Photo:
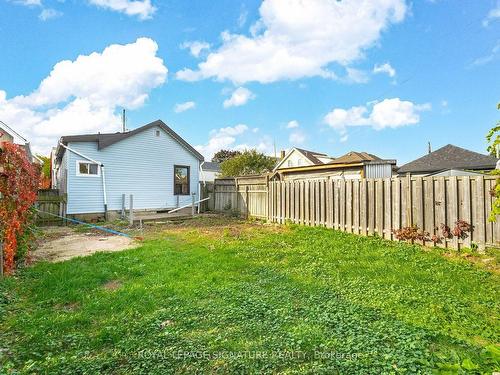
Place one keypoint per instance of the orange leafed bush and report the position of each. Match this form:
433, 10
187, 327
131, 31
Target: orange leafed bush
19, 181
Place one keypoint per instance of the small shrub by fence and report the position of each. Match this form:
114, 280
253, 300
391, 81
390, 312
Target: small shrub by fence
370, 206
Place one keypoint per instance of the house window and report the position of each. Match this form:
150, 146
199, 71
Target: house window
300, 162
157, 133
85, 168
181, 180
290, 163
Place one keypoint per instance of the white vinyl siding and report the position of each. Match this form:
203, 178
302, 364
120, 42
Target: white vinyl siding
142, 165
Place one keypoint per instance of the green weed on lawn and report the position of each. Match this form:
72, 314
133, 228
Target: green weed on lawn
233, 297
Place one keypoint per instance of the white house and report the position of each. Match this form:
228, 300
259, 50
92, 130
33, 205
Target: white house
152, 163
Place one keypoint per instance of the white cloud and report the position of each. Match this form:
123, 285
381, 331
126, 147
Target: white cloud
296, 38
195, 47
48, 13
143, 9
263, 145
29, 3
385, 68
292, 124
223, 138
242, 19
297, 137
493, 15
389, 113
82, 96
356, 76
228, 138
239, 97
181, 107
483, 60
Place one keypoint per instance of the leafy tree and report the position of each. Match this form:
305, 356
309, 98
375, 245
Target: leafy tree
45, 166
247, 163
493, 138
223, 155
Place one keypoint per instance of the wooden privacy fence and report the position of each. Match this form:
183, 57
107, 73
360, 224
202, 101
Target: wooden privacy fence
50, 203
369, 206
246, 195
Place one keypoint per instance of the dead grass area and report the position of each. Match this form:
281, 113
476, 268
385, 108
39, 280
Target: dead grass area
215, 227
112, 285
57, 244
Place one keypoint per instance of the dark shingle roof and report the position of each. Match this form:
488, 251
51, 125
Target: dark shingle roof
107, 139
210, 166
311, 155
355, 157
450, 157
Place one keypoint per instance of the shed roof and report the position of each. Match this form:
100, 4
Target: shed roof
210, 166
107, 139
450, 157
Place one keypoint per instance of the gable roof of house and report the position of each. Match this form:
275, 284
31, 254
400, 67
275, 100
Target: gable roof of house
210, 166
312, 156
449, 157
11, 132
355, 157
107, 139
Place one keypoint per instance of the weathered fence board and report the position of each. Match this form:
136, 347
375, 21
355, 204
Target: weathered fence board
49, 203
368, 206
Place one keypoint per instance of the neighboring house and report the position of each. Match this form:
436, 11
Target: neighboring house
449, 160
153, 163
209, 171
298, 157
8, 134
299, 164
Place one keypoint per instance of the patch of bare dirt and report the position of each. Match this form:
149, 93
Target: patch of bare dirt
68, 306
63, 243
112, 284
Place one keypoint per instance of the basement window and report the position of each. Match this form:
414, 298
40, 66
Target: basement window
181, 180
85, 168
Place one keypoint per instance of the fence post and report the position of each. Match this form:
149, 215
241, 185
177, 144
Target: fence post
409, 201
123, 207
246, 202
192, 204
131, 210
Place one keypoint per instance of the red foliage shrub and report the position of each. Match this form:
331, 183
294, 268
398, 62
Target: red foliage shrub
19, 180
461, 229
412, 233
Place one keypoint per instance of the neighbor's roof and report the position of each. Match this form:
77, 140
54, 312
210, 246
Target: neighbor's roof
107, 139
312, 155
449, 157
12, 132
355, 157
210, 166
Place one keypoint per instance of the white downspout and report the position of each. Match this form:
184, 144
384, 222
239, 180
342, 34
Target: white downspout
102, 174
199, 186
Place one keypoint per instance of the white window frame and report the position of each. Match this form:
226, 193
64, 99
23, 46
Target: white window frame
289, 163
78, 162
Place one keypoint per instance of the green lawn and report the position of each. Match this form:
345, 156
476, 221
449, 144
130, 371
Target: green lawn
219, 296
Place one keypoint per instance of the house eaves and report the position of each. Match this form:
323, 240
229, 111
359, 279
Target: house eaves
108, 139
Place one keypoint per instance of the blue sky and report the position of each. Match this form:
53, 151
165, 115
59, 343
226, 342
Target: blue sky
379, 76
